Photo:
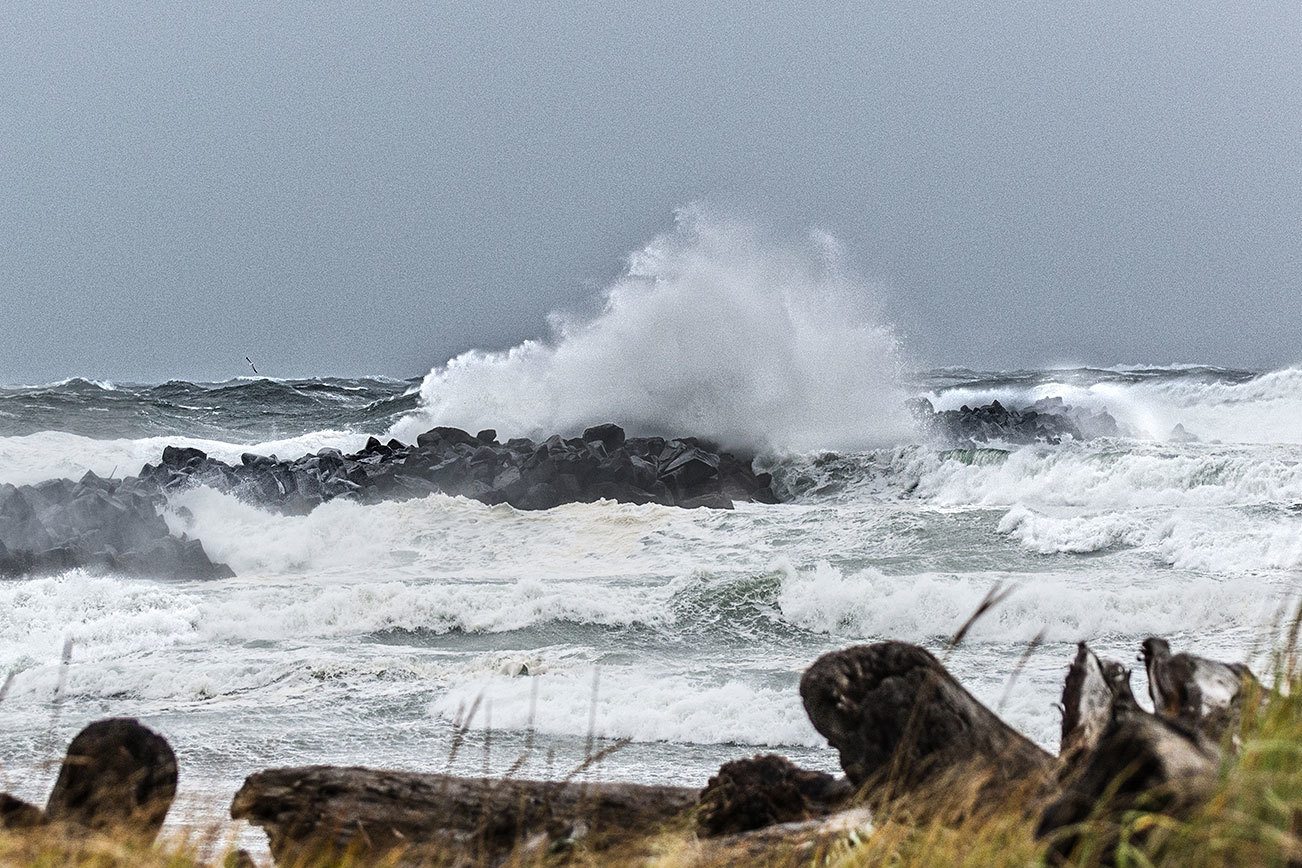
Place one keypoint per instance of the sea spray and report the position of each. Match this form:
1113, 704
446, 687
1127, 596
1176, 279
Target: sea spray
713, 330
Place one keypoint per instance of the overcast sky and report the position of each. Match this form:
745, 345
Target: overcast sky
347, 188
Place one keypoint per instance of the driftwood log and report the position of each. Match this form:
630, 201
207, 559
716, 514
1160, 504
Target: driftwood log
316, 811
1089, 694
903, 725
795, 844
1206, 695
118, 777
1139, 761
907, 733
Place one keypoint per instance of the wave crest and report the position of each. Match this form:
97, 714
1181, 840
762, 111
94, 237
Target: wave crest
713, 330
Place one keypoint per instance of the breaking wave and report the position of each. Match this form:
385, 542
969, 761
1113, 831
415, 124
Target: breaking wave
1209, 404
631, 702
1058, 606
33, 458
714, 330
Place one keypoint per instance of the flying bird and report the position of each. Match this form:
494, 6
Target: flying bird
1190, 687
251, 365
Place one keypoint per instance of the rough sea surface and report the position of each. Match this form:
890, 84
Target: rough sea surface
369, 634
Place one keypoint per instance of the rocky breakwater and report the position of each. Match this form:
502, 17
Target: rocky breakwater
601, 464
115, 525
1049, 420
105, 525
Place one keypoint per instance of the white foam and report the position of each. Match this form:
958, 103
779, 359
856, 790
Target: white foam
434, 536
1076, 534
34, 458
632, 702
1190, 539
1264, 409
139, 638
106, 617
714, 330
1067, 606
1105, 476
1221, 509
106, 385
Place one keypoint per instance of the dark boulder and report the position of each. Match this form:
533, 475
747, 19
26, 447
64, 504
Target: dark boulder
17, 814
436, 437
96, 524
115, 524
764, 790
1047, 420
539, 496
707, 500
688, 468
182, 456
609, 435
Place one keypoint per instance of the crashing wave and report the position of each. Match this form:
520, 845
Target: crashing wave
713, 329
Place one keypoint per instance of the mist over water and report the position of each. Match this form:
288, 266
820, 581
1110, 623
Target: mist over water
713, 329
364, 633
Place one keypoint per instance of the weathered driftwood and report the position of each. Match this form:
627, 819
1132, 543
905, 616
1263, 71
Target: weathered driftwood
1141, 761
765, 791
1088, 695
118, 776
903, 724
1207, 695
792, 844
315, 810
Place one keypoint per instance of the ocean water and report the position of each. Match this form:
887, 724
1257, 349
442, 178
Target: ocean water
384, 635
367, 634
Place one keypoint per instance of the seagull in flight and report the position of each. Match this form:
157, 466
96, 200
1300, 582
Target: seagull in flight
251, 365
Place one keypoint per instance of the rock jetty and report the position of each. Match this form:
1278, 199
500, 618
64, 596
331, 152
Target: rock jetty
1048, 420
115, 525
106, 525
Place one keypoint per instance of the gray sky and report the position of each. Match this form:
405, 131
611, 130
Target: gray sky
370, 187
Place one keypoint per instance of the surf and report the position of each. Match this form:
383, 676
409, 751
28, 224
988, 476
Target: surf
714, 329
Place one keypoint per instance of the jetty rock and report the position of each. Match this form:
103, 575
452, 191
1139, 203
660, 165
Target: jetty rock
117, 525
102, 524
1048, 420
602, 464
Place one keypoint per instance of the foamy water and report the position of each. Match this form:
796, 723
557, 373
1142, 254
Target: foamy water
368, 634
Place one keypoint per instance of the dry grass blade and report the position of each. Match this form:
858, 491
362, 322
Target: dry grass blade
592, 713
461, 726
533, 710
994, 597
56, 707
528, 738
1290, 645
1031, 648
488, 739
593, 759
